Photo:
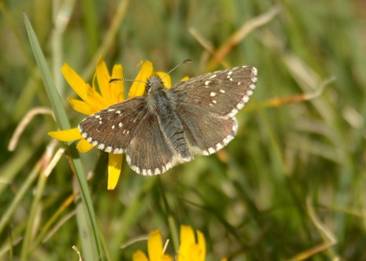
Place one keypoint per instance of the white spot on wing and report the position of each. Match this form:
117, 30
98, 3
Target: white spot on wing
235, 127
168, 165
219, 146
212, 94
117, 151
128, 159
233, 112
254, 71
240, 105
136, 169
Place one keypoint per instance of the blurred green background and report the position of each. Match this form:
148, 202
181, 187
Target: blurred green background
292, 183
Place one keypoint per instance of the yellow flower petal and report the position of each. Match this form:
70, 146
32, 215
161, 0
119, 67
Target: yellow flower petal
66, 135
155, 246
114, 169
139, 256
165, 78
201, 245
80, 87
103, 79
75, 81
186, 235
117, 86
139, 84
187, 240
83, 146
194, 253
80, 106
167, 258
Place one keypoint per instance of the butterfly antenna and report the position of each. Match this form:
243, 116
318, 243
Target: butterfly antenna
179, 64
127, 80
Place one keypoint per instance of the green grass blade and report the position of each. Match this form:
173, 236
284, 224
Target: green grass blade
91, 24
55, 99
63, 122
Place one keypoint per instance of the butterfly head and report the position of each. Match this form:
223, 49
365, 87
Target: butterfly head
154, 83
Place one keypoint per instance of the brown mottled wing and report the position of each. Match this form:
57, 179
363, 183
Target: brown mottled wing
208, 103
112, 129
130, 128
149, 152
206, 132
222, 92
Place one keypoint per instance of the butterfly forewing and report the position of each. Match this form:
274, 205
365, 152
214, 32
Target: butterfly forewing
112, 129
221, 92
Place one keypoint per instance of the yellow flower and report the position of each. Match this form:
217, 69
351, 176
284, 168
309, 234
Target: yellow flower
190, 249
96, 98
154, 249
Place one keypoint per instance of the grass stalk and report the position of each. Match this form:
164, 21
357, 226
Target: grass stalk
63, 123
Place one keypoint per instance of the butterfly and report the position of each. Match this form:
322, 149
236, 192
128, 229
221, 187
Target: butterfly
167, 127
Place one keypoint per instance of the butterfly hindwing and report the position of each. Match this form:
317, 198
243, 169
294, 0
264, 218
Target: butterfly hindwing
221, 92
206, 132
112, 129
149, 152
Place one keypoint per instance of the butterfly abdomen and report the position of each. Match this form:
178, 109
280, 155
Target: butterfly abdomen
179, 143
